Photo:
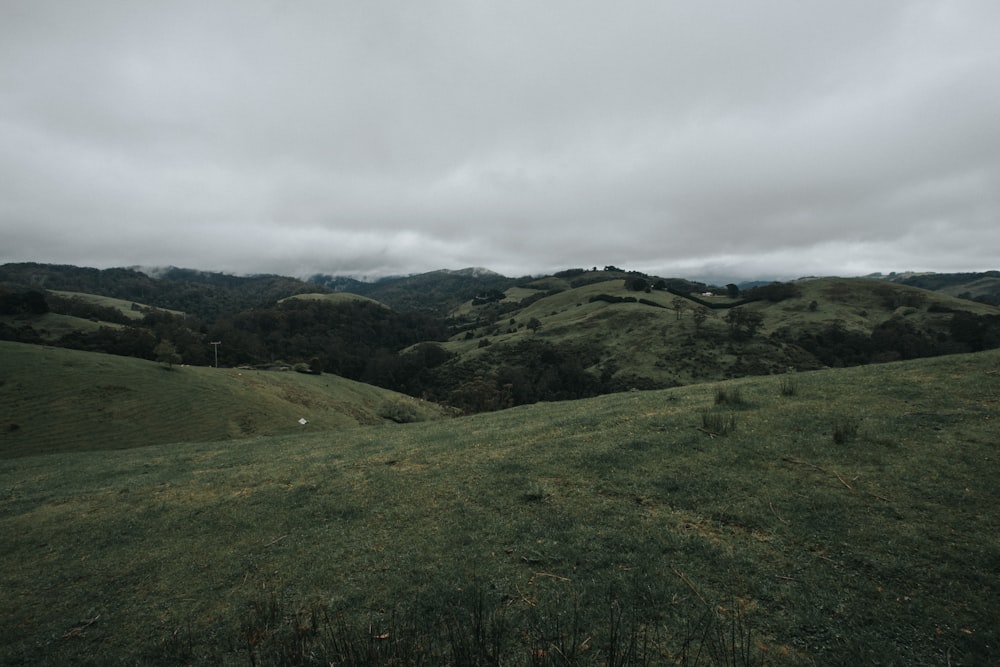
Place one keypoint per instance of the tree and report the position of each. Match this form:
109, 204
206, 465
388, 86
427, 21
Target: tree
166, 354
775, 292
534, 324
699, 314
679, 305
744, 323
733, 291
752, 322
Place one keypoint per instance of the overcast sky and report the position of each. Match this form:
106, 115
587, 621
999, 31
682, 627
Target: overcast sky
721, 138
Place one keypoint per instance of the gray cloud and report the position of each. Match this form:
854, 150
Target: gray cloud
715, 138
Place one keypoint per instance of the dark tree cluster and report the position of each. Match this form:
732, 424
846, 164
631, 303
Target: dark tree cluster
30, 302
491, 296
86, 310
897, 339
610, 298
743, 323
520, 374
126, 342
202, 294
356, 339
774, 292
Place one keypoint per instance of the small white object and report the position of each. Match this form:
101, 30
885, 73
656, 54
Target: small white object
302, 420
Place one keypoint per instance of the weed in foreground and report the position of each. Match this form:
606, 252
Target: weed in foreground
537, 493
715, 422
476, 626
729, 396
845, 429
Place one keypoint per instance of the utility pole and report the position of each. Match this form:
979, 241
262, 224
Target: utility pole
216, 344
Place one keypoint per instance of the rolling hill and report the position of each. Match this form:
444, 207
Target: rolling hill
504, 342
57, 400
844, 516
564, 341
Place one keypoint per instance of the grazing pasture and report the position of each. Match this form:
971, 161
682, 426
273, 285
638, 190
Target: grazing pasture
58, 400
844, 516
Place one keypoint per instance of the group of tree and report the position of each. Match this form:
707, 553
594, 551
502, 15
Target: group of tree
743, 323
898, 338
201, 294
30, 302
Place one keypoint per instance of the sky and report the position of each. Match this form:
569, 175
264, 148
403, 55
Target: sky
712, 139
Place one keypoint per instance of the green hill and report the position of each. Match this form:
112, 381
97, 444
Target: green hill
130, 309
983, 286
507, 342
844, 516
604, 336
56, 400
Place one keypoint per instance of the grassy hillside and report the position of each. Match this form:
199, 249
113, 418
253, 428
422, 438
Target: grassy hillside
647, 342
56, 400
130, 309
844, 516
80, 312
50, 327
983, 286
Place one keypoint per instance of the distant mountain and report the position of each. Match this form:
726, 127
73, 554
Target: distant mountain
436, 292
202, 293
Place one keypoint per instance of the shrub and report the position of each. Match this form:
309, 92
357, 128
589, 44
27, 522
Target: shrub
536, 493
845, 429
718, 423
788, 386
398, 411
729, 396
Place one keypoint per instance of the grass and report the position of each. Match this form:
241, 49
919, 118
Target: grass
654, 345
605, 531
122, 305
57, 400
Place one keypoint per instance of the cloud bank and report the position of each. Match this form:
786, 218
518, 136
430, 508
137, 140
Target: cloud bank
717, 138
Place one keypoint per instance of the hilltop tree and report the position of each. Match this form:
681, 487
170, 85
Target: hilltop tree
637, 284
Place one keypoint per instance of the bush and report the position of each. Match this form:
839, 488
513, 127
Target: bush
399, 411
845, 429
718, 423
729, 395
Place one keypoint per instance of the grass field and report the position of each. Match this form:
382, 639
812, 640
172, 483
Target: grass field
57, 400
123, 306
847, 517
